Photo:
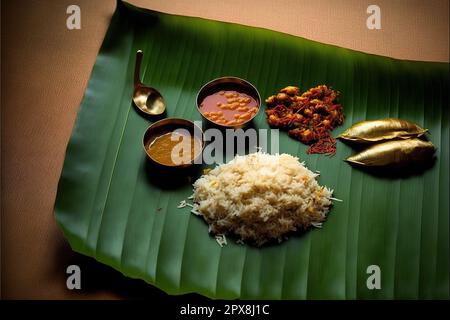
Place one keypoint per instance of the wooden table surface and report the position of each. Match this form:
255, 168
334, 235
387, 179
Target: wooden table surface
45, 69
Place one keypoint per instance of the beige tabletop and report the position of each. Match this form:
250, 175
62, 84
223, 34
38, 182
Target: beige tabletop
45, 69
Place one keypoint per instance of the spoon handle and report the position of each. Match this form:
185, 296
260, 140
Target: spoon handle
137, 67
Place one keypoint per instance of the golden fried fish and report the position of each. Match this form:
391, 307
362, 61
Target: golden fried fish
382, 130
396, 153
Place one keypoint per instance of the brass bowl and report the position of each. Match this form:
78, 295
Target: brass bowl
168, 125
228, 83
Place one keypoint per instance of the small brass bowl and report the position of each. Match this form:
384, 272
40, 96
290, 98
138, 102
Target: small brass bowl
228, 83
167, 125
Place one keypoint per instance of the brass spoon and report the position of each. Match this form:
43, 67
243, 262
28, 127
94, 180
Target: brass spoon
147, 99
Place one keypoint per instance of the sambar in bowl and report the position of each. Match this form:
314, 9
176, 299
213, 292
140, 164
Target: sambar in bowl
174, 143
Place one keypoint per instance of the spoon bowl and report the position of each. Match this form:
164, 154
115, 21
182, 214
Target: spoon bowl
147, 99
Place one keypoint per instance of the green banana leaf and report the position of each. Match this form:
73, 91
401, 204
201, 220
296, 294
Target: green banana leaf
110, 209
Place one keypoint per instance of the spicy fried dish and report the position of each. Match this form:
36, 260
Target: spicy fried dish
308, 117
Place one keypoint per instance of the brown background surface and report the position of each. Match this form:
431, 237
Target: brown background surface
45, 69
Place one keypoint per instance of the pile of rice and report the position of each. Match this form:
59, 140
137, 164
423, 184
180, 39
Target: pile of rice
261, 197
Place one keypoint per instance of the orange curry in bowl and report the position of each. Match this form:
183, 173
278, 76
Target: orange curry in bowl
229, 107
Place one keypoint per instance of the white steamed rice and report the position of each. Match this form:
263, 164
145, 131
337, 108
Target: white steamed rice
261, 197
